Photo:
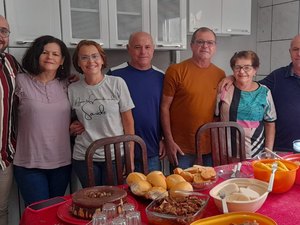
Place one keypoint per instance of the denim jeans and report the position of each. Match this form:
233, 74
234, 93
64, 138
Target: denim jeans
186, 161
153, 164
39, 184
6, 179
80, 169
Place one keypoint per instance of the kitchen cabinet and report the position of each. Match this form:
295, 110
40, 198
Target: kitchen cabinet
205, 13
2, 8
126, 17
86, 19
228, 17
32, 18
167, 27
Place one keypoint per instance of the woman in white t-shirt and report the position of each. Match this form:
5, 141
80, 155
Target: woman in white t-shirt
102, 105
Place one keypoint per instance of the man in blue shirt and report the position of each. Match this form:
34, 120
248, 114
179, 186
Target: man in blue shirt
145, 84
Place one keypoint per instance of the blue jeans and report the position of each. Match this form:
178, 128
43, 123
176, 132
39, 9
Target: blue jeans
153, 164
39, 184
186, 161
80, 168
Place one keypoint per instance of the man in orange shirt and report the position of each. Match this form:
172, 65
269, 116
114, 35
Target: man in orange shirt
189, 98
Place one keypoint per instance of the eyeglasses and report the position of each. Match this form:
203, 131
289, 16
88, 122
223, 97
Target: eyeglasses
246, 68
86, 58
202, 43
4, 32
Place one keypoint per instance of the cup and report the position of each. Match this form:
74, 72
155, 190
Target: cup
99, 219
127, 207
110, 210
118, 221
296, 145
133, 218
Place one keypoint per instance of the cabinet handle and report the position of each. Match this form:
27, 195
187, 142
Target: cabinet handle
169, 45
237, 30
121, 44
24, 42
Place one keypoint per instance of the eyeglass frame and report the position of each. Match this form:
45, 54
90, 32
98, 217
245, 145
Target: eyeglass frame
209, 43
86, 58
4, 32
237, 68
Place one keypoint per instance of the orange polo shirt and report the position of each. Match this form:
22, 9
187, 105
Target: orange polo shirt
194, 90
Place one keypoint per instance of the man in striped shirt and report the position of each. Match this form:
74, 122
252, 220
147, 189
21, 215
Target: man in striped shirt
8, 70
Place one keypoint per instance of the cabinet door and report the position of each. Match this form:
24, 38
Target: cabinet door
126, 17
236, 17
32, 18
168, 23
86, 19
205, 13
2, 8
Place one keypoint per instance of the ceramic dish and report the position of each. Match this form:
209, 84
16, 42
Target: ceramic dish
235, 218
247, 205
157, 218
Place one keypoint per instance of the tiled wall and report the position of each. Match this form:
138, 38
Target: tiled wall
277, 24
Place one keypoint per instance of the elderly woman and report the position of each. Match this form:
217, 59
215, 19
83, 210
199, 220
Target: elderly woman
249, 103
102, 104
42, 162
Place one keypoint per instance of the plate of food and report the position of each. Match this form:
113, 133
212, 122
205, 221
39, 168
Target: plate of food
201, 177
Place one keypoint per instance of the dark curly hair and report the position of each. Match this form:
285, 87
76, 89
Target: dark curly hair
30, 61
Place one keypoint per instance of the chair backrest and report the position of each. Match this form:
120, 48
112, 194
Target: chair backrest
116, 142
227, 140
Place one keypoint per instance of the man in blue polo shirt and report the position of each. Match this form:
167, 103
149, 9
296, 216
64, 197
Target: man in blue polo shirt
284, 84
145, 84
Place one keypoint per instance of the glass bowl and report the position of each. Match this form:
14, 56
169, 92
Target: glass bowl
184, 217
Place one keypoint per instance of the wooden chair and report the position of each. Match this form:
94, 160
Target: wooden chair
227, 142
116, 143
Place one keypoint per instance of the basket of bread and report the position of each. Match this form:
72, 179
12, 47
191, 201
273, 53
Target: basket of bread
201, 177
156, 183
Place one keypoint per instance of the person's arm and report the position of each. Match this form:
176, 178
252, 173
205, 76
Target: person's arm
171, 147
225, 83
269, 134
128, 126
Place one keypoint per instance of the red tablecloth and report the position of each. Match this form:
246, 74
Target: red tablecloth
283, 208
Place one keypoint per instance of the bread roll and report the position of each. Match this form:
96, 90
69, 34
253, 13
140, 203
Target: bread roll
198, 178
192, 170
157, 179
140, 188
187, 176
173, 179
156, 192
134, 177
181, 186
177, 170
209, 173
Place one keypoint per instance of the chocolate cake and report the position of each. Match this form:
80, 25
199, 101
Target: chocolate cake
88, 200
